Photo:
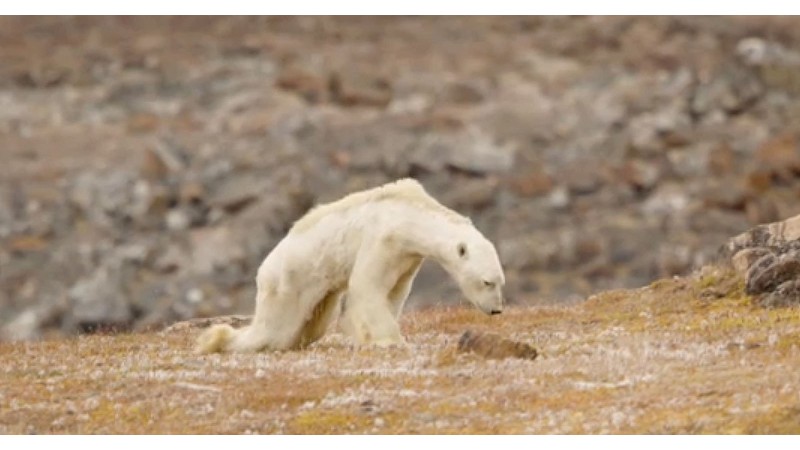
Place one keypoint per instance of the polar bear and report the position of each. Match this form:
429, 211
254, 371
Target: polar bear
366, 248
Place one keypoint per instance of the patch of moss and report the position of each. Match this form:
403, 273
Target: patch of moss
322, 421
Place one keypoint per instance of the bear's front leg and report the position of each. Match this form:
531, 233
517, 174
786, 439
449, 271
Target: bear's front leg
370, 322
367, 315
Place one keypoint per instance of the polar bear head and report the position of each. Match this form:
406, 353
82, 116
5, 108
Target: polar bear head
475, 266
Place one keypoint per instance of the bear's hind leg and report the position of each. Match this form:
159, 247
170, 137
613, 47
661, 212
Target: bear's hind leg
278, 321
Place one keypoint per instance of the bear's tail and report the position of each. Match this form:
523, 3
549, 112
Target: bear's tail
215, 339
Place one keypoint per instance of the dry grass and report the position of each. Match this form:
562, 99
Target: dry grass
679, 356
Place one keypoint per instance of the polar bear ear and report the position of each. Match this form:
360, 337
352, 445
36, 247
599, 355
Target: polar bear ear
462, 250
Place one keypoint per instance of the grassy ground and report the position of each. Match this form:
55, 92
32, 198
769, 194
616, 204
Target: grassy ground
679, 356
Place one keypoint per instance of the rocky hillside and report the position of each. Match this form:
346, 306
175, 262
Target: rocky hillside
149, 164
683, 355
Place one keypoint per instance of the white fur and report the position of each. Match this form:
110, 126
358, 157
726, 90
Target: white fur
369, 246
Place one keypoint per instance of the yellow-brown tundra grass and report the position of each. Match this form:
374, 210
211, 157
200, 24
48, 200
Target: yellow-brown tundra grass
688, 355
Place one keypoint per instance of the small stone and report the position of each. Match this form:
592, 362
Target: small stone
304, 82
252, 123
195, 296
192, 192
236, 193
354, 89
143, 123
478, 193
481, 153
650, 133
559, 198
721, 160
492, 346
640, 174
178, 220
581, 181
169, 155
463, 93
532, 184
27, 243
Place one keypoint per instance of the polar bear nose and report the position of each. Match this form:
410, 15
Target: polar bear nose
495, 312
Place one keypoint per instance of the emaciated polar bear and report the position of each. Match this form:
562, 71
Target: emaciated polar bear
368, 245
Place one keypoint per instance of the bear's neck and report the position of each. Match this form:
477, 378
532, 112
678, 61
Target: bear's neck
431, 235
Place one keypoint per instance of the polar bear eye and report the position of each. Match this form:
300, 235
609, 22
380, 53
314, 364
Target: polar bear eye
462, 250
488, 284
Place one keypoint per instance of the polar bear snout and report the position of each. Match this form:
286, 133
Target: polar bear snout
491, 306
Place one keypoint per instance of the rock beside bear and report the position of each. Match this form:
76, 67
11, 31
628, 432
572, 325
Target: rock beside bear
768, 257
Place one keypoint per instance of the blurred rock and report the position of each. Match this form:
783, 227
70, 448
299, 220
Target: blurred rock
721, 160
312, 87
559, 198
780, 156
756, 51
463, 93
235, 193
640, 174
214, 248
472, 194
357, 89
178, 220
669, 200
730, 91
472, 151
100, 300
776, 64
651, 133
169, 155
582, 177
724, 193
533, 184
